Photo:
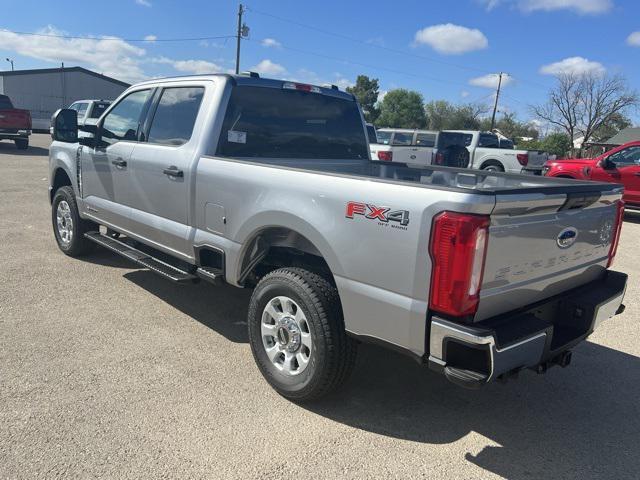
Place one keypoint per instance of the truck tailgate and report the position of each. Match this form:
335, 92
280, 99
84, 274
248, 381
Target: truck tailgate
15, 119
543, 244
537, 159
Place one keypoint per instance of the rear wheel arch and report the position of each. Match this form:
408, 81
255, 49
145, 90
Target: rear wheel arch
487, 164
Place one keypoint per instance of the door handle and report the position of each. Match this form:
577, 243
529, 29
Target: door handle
173, 171
637, 174
119, 162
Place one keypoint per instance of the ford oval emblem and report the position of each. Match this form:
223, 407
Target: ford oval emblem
567, 237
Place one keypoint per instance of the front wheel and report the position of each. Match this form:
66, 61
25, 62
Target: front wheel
297, 334
68, 227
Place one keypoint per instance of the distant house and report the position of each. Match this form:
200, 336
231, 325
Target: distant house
43, 91
631, 134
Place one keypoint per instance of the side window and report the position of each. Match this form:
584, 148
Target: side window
400, 138
488, 140
74, 106
175, 115
426, 139
123, 121
384, 137
82, 109
626, 157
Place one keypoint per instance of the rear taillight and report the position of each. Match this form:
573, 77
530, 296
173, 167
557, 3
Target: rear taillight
458, 248
523, 159
438, 159
385, 156
617, 228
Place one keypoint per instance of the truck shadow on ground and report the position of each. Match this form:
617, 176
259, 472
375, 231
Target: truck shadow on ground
578, 422
10, 148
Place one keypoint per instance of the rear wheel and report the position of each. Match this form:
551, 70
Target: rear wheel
493, 166
22, 143
68, 227
297, 334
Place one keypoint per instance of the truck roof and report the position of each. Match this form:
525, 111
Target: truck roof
248, 80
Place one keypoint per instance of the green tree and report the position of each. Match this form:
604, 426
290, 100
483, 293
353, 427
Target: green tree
558, 144
366, 91
443, 115
613, 125
402, 109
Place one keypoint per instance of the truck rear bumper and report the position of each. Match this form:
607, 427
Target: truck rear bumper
539, 337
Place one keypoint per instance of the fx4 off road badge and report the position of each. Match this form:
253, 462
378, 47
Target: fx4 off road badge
383, 215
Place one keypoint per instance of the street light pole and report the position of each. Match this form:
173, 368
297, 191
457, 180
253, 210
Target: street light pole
11, 62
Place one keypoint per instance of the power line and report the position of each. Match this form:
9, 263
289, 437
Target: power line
382, 47
113, 38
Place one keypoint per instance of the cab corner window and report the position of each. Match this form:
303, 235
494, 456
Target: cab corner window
175, 115
122, 123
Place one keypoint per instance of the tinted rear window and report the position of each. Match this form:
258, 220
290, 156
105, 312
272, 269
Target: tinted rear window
384, 137
426, 139
401, 138
98, 109
5, 103
371, 132
175, 116
277, 123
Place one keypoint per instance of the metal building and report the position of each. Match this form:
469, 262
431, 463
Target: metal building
43, 91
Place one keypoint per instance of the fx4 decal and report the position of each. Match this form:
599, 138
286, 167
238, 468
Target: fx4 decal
381, 214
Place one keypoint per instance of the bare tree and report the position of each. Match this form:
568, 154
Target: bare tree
581, 104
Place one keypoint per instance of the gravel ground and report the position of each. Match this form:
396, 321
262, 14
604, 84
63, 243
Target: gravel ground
109, 371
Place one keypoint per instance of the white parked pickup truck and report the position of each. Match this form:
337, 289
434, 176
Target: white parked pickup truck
419, 148
488, 152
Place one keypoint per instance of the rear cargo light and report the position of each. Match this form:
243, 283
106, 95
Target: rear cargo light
523, 159
301, 86
458, 248
385, 156
617, 228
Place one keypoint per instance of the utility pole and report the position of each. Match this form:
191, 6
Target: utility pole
495, 105
239, 36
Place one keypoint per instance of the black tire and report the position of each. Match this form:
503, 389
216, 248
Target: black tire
78, 244
22, 143
333, 355
457, 156
492, 166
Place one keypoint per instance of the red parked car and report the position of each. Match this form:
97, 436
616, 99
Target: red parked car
620, 165
15, 123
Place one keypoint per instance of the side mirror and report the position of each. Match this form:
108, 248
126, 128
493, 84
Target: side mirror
64, 124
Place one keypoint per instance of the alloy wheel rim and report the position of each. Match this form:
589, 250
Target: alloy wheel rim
286, 336
64, 222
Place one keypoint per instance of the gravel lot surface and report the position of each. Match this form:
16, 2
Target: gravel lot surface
109, 371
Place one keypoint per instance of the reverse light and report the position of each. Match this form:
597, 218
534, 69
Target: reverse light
523, 159
617, 228
301, 86
385, 156
458, 249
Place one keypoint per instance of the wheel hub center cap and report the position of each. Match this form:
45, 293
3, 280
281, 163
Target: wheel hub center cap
288, 334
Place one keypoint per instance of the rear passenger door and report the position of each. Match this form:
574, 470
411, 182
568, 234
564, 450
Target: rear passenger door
161, 168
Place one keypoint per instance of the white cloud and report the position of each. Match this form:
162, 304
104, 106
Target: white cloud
450, 39
110, 56
270, 43
634, 39
267, 67
150, 38
196, 67
144, 3
491, 80
573, 66
491, 4
464, 94
579, 6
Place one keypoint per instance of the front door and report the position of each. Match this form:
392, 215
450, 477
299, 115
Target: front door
625, 169
160, 169
105, 168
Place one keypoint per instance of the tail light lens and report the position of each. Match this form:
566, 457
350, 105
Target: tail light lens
458, 248
617, 228
523, 159
439, 159
385, 156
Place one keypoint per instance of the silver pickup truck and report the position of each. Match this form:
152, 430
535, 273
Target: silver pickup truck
268, 185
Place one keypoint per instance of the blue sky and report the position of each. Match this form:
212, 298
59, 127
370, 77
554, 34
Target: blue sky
443, 49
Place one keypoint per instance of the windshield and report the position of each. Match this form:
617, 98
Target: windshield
98, 109
278, 123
